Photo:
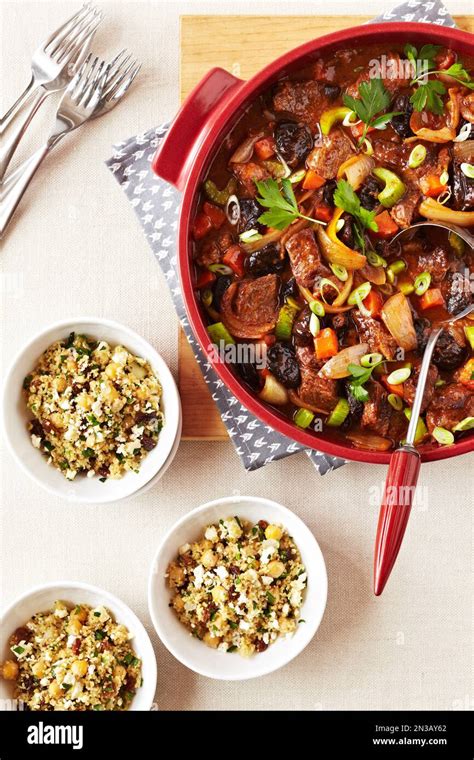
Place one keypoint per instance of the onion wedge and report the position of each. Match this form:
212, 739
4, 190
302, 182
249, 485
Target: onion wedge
446, 133
369, 441
431, 209
273, 392
376, 275
336, 252
336, 368
356, 170
295, 399
245, 150
398, 319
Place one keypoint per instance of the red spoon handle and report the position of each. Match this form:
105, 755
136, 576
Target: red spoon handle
397, 499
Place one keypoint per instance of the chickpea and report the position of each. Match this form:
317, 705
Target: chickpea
38, 669
74, 626
219, 594
274, 532
138, 371
111, 370
209, 559
79, 668
176, 575
110, 393
287, 625
55, 690
10, 670
84, 401
178, 603
119, 674
59, 383
80, 613
276, 568
211, 641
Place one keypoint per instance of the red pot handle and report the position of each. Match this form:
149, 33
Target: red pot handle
178, 150
397, 501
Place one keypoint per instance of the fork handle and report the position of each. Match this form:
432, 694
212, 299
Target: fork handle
19, 103
15, 185
15, 127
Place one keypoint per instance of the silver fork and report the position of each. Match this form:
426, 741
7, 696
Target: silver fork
52, 67
110, 84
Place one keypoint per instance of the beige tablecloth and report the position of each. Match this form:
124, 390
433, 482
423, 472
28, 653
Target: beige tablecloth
74, 249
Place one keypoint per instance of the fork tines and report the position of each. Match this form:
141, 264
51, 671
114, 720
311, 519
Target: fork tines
64, 42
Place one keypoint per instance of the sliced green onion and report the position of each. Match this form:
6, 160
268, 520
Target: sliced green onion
395, 401
317, 308
249, 236
469, 333
468, 170
440, 382
314, 325
371, 360
331, 116
422, 283
421, 429
376, 260
444, 178
368, 149
359, 293
297, 176
464, 133
417, 156
397, 266
398, 376
456, 243
466, 424
325, 282
443, 436
340, 271
350, 119
206, 297
303, 418
220, 269
218, 332
445, 196
284, 325
406, 288
339, 413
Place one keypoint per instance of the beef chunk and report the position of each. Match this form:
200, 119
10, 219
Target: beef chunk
213, 250
326, 159
305, 101
395, 76
450, 350
304, 256
467, 108
435, 262
265, 261
293, 141
451, 404
257, 300
456, 289
319, 393
377, 411
404, 211
250, 210
248, 174
409, 386
375, 333
282, 362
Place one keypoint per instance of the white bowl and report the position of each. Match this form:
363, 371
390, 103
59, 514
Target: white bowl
16, 416
194, 653
41, 599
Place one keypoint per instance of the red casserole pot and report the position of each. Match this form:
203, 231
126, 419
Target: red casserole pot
206, 117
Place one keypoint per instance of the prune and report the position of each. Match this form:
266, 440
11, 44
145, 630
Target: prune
346, 234
331, 91
448, 354
328, 192
220, 286
293, 141
356, 407
368, 194
301, 334
401, 123
282, 363
290, 289
250, 210
248, 373
265, 261
463, 189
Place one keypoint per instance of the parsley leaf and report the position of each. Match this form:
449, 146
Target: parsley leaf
281, 204
359, 376
427, 97
346, 198
373, 99
358, 392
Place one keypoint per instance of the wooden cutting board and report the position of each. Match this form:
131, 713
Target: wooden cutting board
242, 45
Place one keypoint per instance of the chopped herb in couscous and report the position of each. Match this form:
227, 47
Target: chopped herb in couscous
96, 407
240, 586
73, 658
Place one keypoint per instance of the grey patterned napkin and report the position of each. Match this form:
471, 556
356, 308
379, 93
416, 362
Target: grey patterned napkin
156, 205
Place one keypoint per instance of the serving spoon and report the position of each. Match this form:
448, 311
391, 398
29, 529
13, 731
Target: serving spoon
402, 476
